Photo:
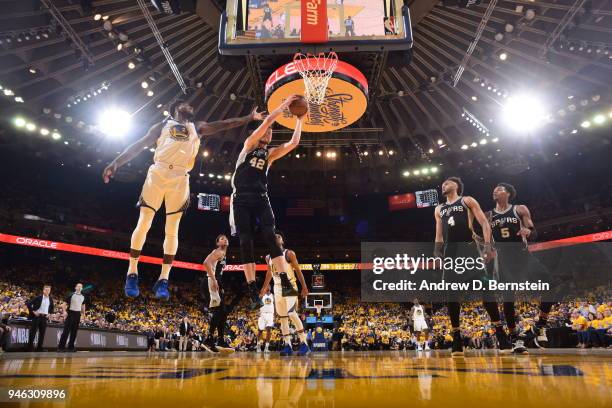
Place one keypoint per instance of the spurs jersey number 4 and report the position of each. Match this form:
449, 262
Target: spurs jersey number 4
177, 145
456, 221
251, 174
506, 225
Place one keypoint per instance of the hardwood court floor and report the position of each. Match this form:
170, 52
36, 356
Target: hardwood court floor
550, 378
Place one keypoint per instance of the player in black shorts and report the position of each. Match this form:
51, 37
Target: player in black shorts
250, 202
214, 264
512, 226
455, 239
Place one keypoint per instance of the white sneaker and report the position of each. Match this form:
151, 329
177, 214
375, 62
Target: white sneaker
541, 339
266, 350
258, 349
427, 347
419, 348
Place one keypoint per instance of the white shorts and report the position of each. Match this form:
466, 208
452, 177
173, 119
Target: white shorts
284, 305
165, 184
265, 320
420, 325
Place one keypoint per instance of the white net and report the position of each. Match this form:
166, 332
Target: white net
316, 70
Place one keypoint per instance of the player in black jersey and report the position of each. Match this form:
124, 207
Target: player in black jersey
512, 226
214, 264
455, 239
250, 202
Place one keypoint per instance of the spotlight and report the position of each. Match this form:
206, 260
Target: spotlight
464, 147
483, 141
366, 153
44, 131
119, 46
201, 174
599, 119
227, 177
150, 93
586, 124
425, 171
159, 105
524, 112
417, 172
574, 131
30, 127
98, 17
434, 169
219, 176
440, 142
114, 122
144, 84
474, 144
166, 113
8, 92
380, 152
18, 99
431, 151
391, 152
297, 155
131, 65
32, 71
210, 175
57, 136
503, 56
495, 140
406, 174
20, 122
474, 98
318, 154
205, 153
105, 18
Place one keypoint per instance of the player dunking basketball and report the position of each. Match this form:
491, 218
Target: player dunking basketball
455, 239
177, 141
513, 227
250, 202
286, 305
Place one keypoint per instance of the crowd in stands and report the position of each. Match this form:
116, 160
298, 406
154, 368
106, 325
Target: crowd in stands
357, 325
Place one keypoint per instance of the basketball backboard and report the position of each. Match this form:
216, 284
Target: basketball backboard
263, 27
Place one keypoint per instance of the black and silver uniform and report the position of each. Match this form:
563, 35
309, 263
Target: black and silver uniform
506, 225
251, 174
219, 269
456, 221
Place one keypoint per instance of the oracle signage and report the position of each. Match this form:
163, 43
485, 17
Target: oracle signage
41, 243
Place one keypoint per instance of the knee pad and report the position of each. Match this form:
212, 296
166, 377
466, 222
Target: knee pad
270, 239
246, 248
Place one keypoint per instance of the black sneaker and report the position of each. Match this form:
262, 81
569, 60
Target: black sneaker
457, 349
209, 345
288, 289
505, 347
256, 302
519, 347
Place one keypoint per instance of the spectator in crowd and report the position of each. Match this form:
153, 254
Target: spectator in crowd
5, 332
185, 331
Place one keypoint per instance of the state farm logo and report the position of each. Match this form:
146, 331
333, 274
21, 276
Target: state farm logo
312, 12
37, 243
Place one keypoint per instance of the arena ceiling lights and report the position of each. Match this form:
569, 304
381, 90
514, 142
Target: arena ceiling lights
524, 113
114, 122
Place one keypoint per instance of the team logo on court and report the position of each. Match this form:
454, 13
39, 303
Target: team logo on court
179, 133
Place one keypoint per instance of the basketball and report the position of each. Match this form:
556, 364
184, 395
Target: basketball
299, 107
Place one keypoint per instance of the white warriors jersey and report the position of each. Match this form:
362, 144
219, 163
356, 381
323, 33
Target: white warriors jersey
418, 313
177, 145
287, 268
268, 304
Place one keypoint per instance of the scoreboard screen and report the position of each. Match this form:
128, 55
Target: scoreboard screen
209, 202
427, 198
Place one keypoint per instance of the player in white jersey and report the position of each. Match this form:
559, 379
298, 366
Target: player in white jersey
177, 142
286, 305
265, 321
417, 313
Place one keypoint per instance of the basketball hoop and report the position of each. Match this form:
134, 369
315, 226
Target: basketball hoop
318, 305
316, 70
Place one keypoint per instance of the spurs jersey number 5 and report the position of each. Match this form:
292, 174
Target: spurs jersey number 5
177, 145
506, 225
251, 174
456, 221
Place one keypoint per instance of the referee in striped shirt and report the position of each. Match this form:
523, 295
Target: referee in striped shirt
76, 306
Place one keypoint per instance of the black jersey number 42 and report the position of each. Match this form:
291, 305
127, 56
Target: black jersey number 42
257, 163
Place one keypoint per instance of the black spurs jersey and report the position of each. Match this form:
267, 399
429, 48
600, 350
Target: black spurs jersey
251, 174
456, 221
219, 269
506, 225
